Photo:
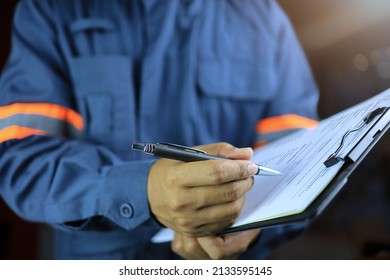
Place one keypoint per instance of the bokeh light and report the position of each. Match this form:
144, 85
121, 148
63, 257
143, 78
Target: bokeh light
361, 62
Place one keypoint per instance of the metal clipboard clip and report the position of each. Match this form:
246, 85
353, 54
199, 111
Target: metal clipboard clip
366, 139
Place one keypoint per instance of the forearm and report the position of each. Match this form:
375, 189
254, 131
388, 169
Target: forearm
54, 180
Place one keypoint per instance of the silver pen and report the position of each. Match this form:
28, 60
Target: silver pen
187, 154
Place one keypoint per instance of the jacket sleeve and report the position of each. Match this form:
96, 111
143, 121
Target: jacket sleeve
47, 172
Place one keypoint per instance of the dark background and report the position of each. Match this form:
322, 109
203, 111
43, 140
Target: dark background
18, 239
348, 46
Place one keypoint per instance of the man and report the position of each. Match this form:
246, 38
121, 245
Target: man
85, 79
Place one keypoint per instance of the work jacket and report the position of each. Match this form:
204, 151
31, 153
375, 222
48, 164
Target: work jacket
86, 79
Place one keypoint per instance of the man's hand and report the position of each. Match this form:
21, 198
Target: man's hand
204, 197
228, 247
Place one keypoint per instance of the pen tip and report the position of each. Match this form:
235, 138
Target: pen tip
268, 171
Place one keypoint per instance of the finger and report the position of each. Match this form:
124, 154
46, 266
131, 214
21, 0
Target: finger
193, 229
214, 246
240, 153
238, 243
210, 229
220, 194
188, 248
217, 218
217, 249
230, 246
248, 236
227, 150
196, 198
219, 205
229, 211
210, 172
211, 220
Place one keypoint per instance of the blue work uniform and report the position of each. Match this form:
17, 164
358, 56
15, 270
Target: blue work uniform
86, 79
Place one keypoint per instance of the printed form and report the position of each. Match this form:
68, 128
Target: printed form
300, 157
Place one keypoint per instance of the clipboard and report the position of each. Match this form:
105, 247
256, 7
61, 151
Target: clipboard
303, 155
351, 160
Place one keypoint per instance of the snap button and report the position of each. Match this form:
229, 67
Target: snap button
126, 210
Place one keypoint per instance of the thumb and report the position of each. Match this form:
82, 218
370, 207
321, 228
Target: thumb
214, 246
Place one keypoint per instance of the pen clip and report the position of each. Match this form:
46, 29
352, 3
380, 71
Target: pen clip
181, 147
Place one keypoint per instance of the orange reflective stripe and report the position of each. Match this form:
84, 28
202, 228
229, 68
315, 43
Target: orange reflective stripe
18, 132
44, 109
284, 122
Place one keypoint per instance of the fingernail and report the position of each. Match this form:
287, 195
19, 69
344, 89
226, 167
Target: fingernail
252, 169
